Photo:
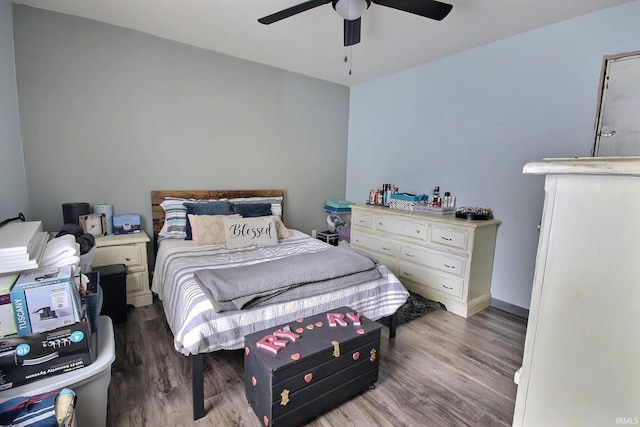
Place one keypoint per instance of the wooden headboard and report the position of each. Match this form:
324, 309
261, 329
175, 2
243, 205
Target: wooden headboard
157, 197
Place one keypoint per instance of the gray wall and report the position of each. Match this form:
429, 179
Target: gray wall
109, 114
13, 183
470, 122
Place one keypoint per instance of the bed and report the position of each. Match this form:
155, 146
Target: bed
198, 327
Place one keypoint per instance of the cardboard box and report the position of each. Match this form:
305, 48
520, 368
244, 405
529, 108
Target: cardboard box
7, 323
126, 223
41, 355
44, 300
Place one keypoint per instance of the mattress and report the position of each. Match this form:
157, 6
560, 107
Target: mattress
197, 328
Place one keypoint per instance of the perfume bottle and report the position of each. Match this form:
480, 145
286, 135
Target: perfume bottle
435, 200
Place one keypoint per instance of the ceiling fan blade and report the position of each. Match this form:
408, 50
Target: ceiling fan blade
293, 10
428, 8
352, 32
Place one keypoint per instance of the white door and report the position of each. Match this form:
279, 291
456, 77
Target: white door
618, 124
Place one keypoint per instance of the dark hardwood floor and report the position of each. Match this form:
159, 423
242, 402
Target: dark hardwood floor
441, 370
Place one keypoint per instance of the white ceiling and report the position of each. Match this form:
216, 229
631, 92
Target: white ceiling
311, 43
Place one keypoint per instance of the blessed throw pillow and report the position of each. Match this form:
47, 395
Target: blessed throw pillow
208, 229
219, 207
243, 232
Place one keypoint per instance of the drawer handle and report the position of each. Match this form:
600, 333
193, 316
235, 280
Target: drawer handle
358, 241
361, 221
127, 259
417, 231
409, 255
448, 239
453, 267
407, 274
447, 287
386, 249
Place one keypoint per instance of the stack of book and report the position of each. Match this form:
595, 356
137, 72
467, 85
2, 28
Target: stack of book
21, 246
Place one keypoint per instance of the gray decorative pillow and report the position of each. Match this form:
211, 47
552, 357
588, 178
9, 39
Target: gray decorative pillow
217, 207
243, 232
251, 210
275, 201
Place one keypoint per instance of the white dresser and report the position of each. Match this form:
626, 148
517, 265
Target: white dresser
581, 362
131, 250
441, 257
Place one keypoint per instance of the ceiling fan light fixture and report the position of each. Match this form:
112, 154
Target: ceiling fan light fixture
351, 9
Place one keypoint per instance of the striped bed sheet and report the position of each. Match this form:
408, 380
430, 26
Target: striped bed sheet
197, 328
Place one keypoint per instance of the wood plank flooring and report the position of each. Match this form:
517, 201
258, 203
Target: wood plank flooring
441, 370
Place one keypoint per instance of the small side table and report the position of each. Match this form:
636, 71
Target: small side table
130, 250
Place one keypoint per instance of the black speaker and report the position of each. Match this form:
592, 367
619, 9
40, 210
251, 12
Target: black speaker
71, 211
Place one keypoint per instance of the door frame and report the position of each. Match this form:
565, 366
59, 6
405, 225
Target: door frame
601, 88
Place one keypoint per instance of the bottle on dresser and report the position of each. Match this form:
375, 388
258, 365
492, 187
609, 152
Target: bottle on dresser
435, 197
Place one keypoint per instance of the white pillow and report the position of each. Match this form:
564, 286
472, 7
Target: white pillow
243, 232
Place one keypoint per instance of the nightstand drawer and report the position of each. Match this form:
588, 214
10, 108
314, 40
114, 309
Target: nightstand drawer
135, 281
127, 254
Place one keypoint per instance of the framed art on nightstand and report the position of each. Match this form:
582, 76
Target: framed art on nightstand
95, 224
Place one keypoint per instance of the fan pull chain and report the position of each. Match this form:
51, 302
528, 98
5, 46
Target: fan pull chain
347, 57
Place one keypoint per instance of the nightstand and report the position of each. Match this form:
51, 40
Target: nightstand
131, 250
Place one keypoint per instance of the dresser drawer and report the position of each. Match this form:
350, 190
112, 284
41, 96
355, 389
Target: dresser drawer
448, 285
373, 243
129, 255
449, 237
361, 219
433, 259
402, 226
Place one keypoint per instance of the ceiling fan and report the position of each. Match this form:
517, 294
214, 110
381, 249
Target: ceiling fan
352, 10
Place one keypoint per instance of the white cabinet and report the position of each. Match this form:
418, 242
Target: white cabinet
131, 250
581, 362
441, 257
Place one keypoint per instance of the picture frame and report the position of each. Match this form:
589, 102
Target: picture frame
95, 224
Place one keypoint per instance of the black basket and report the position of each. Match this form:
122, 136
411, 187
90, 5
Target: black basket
93, 299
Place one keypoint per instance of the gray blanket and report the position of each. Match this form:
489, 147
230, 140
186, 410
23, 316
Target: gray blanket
283, 279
